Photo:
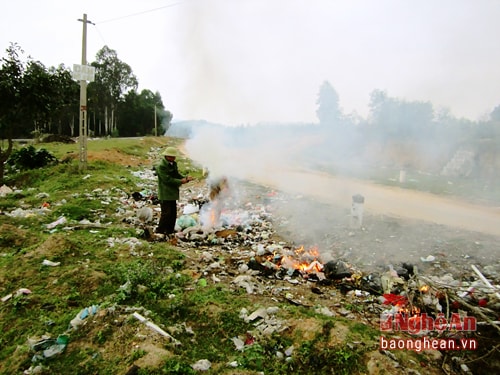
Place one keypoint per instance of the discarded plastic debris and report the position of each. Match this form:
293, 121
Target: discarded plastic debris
155, 328
4, 190
430, 258
33, 370
145, 214
60, 221
249, 339
393, 299
190, 209
485, 280
57, 348
390, 279
82, 315
202, 365
238, 343
20, 213
336, 270
50, 263
19, 292
324, 311
50, 347
186, 221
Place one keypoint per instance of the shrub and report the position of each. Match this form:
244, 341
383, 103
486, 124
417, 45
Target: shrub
30, 158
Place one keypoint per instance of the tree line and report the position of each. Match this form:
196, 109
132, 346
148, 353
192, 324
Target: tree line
39, 100
391, 118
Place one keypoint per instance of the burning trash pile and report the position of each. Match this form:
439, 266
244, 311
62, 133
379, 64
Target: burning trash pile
239, 244
283, 261
216, 217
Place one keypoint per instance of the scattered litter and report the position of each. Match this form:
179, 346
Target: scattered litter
60, 221
238, 343
289, 351
4, 190
485, 280
155, 328
47, 262
42, 195
19, 292
131, 242
186, 221
79, 319
429, 258
202, 365
323, 310
20, 213
145, 214
390, 279
190, 209
49, 347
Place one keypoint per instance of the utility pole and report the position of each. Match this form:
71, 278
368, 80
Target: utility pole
83, 101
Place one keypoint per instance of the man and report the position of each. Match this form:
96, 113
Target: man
169, 182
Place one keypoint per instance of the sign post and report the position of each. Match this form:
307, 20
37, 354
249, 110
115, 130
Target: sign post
83, 73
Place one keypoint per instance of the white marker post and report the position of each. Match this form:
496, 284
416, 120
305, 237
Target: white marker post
357, 211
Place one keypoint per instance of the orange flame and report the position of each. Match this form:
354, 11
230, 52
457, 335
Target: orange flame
424, 288
306, 261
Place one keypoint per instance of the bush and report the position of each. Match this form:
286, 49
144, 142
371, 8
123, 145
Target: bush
30, 158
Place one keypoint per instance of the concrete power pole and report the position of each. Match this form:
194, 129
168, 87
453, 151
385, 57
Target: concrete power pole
83, 101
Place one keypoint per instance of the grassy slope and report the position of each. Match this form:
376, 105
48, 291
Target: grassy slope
159, 280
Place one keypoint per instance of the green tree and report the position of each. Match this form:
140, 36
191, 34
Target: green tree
495, 114
39, 95
400, 119
328, 111
138, 111
113, 80
65, 92
11, 75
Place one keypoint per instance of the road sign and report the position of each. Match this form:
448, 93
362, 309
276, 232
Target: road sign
83, 72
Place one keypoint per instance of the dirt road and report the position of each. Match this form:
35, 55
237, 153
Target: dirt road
392, 201
404, 203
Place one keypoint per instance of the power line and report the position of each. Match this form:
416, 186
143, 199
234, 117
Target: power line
143, 12
99, 33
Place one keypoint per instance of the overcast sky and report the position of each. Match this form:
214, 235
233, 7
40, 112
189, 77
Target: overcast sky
246, 61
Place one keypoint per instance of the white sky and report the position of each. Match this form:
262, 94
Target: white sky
245, 61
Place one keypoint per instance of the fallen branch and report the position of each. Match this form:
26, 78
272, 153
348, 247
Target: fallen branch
478, 311
484, 356
474, 309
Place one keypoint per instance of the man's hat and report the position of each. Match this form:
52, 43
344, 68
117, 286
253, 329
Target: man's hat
170, 151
